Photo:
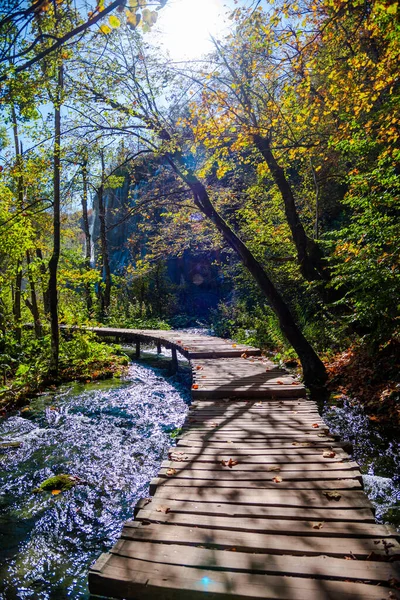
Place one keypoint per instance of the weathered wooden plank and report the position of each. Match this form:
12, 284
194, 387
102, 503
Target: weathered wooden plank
270, 526
309, 513
149, 581
304, 484
323, 567
258, 477
193, 466
267, 497
288, 454
262, 543
267, 444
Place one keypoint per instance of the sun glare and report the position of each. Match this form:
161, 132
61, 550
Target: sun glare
185, 27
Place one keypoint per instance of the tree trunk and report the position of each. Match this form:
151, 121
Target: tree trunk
308, 253
20, 206
313, 369
17, 301
33, 304
105, 296
44, 275
53, 263
86, 229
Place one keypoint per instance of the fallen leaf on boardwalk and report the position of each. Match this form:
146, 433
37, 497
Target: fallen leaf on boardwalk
321, 435
234, 345
280, 382
244, 355
199, 368
329, 454
315, 425
334, 495
163, 509
195, 386
212, 424
277, 479
185, 348
229, 463
274, 468
229, 442
55, 492
303, 444
258, 404
178, 456
233, 549
295, 383
317, 525
171, 472
294, 412
178, 341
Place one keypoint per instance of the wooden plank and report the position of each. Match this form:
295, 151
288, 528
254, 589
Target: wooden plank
309, 513
193, 466
267, 497
271, 526
257, 476
261, 543
284, 444
134, 579
305, 484
288, 454
323, 567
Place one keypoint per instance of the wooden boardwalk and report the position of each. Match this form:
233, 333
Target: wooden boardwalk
257, 500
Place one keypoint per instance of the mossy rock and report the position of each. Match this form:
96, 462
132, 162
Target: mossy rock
61, 483
4, 445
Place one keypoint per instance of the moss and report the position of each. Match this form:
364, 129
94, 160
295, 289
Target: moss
57, 482
10, 444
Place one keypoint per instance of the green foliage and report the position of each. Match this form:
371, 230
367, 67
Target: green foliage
257, 326
366, 256
82, 358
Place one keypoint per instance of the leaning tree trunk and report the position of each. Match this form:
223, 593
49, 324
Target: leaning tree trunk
313, 369
53, 263
308, 253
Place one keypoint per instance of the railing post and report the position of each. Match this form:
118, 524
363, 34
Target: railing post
158, 347
137, 349
174, 364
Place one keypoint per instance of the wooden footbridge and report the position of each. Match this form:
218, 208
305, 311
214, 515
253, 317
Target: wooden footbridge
257, 500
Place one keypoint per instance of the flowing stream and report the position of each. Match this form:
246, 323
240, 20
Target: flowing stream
114, 435
376, 450
111, 434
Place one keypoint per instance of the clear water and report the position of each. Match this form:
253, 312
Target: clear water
377, 451
113, 435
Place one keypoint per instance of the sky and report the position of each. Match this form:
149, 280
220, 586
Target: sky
184, 26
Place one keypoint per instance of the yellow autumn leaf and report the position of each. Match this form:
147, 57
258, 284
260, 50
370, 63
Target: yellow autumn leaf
132, 18
55, 492
105, 29
114, 21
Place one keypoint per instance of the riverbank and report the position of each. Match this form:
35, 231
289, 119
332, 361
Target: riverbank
83, 359
373, 378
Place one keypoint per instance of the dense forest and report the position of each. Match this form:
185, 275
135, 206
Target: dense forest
253, 190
